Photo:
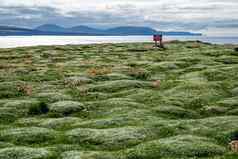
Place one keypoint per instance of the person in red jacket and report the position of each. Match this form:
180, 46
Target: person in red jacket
158, 38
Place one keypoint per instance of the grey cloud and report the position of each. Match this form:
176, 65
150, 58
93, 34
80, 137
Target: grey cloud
162, 17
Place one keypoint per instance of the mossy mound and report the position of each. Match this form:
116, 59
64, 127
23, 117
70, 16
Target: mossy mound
19, 107
227, 59
176, 112
6, 116
195, 95
71, 155
146, 96
222, 129
87, 155
52, 97
65, 107
163, 66
30, 121
110, 139
107, 123
194, 76
28, 135
214, 110
221, 73
229, 102
117, 102
234, 91
222, 123
24, 153
183, 146
118, 85
113, 106
59, 123
233, 112
5, 145
22, 104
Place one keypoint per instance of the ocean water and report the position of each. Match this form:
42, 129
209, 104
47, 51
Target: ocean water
21, 41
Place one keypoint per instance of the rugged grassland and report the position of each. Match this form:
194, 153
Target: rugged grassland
104, 101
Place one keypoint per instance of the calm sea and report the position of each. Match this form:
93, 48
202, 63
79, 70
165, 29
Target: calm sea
19, 41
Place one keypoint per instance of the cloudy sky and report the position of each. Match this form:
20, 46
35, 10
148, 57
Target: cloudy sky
213, 17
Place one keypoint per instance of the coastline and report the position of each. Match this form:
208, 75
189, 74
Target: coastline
23, 41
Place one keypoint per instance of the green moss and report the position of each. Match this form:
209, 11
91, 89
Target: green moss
5, 145
110, 139
21, 103
214, 110
221, 73
87, 155
229, 102
19, 107
117, 102
233, 112
176, 112
28, 135
163, 66
107, 123
104, 101
59, 123
112, 77
195, 95
24, 153
183, 146
71, 155
234, 91
219, 128
118, 85
52, 97
65, 107
228, 59
28, 122
6, 117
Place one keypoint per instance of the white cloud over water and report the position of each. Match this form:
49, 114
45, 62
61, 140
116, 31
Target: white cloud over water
199, 15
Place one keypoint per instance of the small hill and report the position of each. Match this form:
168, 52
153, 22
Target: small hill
85, 29
51, 28
10, 28
131, 30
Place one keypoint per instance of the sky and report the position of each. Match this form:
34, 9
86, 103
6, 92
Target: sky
211, 17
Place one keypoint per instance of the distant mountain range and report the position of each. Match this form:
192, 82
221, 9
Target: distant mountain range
51, 29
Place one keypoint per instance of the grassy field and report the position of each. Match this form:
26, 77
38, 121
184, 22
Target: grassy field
119, 101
